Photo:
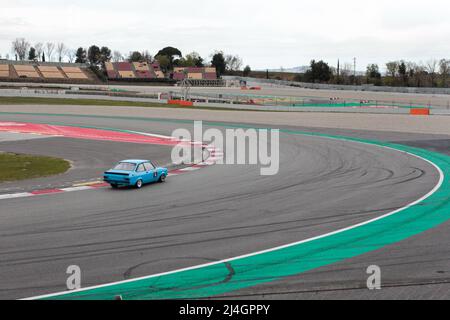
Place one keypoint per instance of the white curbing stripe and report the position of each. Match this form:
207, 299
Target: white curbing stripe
76, 189
15, 195
189, 169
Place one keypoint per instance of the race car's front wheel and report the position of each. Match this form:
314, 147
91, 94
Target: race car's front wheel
139, 184
114, 186
162, 178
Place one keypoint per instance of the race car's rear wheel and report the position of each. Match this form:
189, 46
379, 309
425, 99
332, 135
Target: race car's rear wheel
114, 186
139, 184
162, 178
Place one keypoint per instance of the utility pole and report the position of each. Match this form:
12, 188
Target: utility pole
354, 71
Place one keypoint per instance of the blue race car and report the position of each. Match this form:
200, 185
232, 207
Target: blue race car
135, 173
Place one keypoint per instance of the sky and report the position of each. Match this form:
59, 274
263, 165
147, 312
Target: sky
265, 34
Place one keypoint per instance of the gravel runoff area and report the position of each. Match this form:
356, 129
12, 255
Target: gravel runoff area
375, 122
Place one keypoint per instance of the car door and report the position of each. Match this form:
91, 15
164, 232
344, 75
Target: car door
142, 173
151, 173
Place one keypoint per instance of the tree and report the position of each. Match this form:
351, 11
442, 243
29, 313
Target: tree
233, 63
39, 47
247, 71
61, 51
93, 55
43, 57
431, 67
218, 61
373, 71
71, 54
373, 74
117, 56
318, 72
164, 62
403, 72
135, 56
172, 53
81, 56
20, 47
419, 73
444, 70
147, 57
49, 48
345, 73
192, 59
32, 54
392, 69
105, 55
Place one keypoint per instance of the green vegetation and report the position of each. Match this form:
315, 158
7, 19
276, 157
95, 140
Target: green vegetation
95, 102
15, 167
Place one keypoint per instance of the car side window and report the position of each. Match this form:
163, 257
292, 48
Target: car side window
149, 166
141, 168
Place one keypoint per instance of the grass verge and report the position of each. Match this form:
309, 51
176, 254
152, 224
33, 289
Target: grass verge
15, 167
99, 102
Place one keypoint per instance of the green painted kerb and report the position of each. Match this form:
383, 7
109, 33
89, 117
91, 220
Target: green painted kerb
221, 278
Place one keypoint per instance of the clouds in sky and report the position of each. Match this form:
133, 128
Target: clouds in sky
266, 34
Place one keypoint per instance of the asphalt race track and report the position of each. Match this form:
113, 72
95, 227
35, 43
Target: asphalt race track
219, 212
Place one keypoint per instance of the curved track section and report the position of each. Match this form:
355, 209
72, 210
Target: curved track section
323, 185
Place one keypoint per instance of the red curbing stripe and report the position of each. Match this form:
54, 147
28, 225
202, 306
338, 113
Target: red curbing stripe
99, 185
176, 172
49, 191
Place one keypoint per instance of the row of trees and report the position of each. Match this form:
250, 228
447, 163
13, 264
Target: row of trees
49, 51
433, 73
96, 56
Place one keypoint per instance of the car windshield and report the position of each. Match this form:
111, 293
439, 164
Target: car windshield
125, 166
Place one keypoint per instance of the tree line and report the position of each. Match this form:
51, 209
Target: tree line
433, 73
96, 56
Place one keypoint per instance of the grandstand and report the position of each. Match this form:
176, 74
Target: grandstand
23, 71
133, 70
194, 73
49, 72
151, 71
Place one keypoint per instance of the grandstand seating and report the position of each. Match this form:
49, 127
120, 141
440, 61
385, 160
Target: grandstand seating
150, 71
29, 71
143, 70
195, 73
123, 66
74, 73
127, 74
110, 71
210, 75
134, 70
179, 76
26, 71
195, 76
50, 72
4, 71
